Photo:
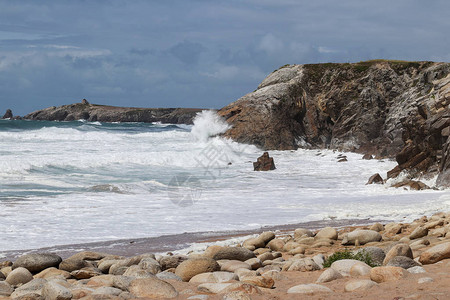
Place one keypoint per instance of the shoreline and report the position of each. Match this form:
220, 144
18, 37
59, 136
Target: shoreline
177, 242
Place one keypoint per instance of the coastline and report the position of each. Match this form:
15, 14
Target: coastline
177, 242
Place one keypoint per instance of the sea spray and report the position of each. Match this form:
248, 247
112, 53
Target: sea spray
207, 124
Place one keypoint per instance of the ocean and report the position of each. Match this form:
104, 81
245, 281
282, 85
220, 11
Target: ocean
79, 182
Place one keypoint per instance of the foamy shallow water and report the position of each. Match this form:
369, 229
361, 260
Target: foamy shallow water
75, 182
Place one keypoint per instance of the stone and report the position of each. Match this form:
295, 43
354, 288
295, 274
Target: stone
329, 275
86, 273
259, 281
52, 272
359, 285
359, 270
107, 290
55, 291
191, 267
236, 295
402, 262
412, 184
233, 265
398, 250
435, 254
214, 277
8, 114
122, 282
84, 102
327, 233
375, 178
218, 288
309, 289
34, 286
88, 255
137, 272
301, 232
319, 259
37, 262
254, 263
101, 280
393, 228
376, 254
5, 289
419, 232
264, 163
298, 250
168, 276
361, 236
18, 276
276, 245
367, 156
344, 266
266, 256
377, 227
304, 265
73, 264
259, 241
383, 274
233, 253
169, 262
152, 288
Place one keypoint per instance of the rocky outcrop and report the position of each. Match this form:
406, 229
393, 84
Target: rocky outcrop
264, 163
8, 114
104, 113
390, 109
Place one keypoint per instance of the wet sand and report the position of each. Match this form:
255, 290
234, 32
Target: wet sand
168, 243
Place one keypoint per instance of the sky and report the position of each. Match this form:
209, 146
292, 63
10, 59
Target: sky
196, 53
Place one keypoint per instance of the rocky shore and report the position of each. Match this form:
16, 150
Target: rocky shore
393, 109
105, 113
377, 261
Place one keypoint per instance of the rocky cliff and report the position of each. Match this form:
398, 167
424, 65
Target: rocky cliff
103, 113
391, 109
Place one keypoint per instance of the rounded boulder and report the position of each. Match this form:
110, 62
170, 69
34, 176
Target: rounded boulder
191, 267
37, 262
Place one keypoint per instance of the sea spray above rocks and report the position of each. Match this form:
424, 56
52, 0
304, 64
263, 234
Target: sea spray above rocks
207, 124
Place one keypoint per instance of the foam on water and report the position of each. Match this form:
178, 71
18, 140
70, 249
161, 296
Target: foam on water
75, 182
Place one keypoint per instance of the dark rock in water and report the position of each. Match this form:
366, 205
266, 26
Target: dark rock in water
412, 184
344, 159
264, 163
104, 113
375, 178
367, 156
37, 262
8, 114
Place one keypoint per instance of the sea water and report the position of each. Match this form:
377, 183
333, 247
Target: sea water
76, 182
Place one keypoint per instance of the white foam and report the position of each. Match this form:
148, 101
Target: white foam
207, 124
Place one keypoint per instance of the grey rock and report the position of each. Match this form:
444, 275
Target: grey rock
73, 264
18, 276
37, 262
376, 254
107, 290
5, 289
55, 291
416, 270
361, 236
403, 262
233, 253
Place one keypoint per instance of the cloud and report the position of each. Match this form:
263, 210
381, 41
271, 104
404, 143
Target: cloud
187, 52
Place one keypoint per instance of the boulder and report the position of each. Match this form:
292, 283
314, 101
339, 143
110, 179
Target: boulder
169, 262
418, 232
233, 265
398, 250
327, 233
375, 178
18, 276
376, 254
359, 285
73, 264
88, 255
276, 245
86, 273
412, 184
191, 267
233, 253
152, 288
329, 275
37, 262
137, 272
219, 288
377, 227
165, 275
55, 291
8, 114
33, 287
367, 156
264, 163
309, 289
361, 237
52, 272
259, 281
5, 289
303, 265
435, 254
214, 277
402, 262
301, 232
383, 274
360, 270
344, 266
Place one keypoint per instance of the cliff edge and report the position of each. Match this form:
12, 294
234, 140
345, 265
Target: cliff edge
395, 109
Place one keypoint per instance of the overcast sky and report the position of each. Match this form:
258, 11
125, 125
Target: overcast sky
196, 53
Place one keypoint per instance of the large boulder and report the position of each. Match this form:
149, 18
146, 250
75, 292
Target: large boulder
152, 288
327, 233
191, 267
18, 276
435, 254
8, 114
361, 237
37, 262
233, 253
400, 249
383, 274
55, 291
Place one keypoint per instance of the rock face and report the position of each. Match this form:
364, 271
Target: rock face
8, 114
264, 163
103, 113
387, 108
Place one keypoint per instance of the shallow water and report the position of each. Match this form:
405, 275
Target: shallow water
77, 182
